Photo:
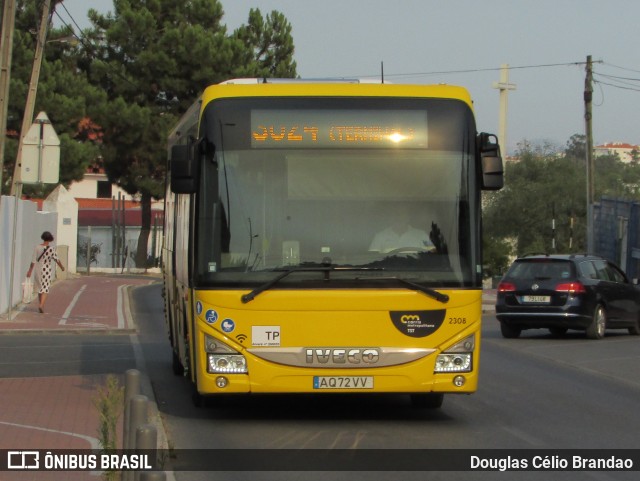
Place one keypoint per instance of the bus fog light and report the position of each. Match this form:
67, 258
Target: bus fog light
226, 363
222, 382
459, 381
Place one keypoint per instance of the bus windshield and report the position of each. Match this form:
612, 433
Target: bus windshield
370, 189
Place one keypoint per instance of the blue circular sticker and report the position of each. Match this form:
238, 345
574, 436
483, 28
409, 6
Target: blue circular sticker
199, 307
228, 325
211, 316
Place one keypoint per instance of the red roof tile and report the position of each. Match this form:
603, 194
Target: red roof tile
617, 145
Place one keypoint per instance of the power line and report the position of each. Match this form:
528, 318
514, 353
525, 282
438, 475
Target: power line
70, 16
624, 83
617, 86
476, 70
615, 77
621, 68
89, 49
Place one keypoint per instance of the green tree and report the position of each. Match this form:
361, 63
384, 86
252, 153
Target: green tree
545, 186
270, 45
496, 253
524, 208
65, 96
153, 58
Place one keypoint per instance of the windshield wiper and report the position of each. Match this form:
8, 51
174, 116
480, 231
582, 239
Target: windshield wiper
438, 296
326, 270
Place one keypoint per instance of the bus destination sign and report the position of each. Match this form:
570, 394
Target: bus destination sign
338, 129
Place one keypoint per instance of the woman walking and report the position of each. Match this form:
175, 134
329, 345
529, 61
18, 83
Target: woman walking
43, 254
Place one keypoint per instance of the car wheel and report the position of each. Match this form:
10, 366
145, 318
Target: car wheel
635, 330
558, 331
431, 400
509, 332
598, 323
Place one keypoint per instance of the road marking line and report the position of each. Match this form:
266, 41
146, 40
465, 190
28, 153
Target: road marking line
72, 304
95, 444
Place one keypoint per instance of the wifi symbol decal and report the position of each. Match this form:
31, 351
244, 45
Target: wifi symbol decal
241, 338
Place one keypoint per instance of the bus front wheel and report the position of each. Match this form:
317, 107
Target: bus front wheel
430, 400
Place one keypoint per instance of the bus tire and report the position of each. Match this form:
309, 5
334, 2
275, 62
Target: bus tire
429, 400
178, 368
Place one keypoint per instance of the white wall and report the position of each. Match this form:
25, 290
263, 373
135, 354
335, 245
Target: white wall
62, 202
30, 225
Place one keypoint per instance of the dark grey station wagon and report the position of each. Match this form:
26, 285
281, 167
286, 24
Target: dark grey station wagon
562, 292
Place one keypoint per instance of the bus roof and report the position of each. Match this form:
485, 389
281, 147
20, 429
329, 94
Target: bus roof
330, 88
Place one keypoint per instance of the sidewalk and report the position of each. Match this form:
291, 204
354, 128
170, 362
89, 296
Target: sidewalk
59, 412
489, 300
80, 303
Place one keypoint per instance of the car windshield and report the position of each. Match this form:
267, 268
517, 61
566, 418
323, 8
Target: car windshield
542, 269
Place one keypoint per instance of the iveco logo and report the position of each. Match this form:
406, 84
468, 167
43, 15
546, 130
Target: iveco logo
408, 318
345, 355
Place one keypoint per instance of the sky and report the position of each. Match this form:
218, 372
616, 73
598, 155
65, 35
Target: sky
465, 42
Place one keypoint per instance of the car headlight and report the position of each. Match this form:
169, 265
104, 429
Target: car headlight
222, 359
458, 358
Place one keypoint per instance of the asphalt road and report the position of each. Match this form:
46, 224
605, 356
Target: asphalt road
39, 355
535, 392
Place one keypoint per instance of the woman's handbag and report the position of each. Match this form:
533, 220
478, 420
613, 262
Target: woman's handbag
27, 290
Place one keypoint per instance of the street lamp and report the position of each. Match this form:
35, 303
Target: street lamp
71, 40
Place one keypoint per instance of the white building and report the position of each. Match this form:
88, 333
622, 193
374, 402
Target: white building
109, 223
96, 185
625, 152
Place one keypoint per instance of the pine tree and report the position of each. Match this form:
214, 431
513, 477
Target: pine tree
65, 96
153, 58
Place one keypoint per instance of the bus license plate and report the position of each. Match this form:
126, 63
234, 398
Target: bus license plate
343, 382
537, 299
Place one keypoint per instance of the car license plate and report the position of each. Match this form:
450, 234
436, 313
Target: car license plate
342, 382
537, 299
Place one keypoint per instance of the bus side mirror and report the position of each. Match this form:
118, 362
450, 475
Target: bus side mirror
491, 160
184, 168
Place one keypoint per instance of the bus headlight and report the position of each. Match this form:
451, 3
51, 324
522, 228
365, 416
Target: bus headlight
458, 358
226, 363
222, 359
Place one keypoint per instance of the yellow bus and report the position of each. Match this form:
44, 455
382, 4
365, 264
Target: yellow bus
325, 237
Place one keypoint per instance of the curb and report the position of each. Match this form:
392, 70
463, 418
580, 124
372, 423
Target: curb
61, 332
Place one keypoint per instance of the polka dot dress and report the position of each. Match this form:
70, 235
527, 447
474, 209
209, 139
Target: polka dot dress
44, 267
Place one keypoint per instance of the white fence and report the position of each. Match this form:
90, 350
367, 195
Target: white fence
30, 226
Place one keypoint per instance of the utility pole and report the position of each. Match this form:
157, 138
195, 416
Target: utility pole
588, 97
504, 86
6, 48
27, 120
